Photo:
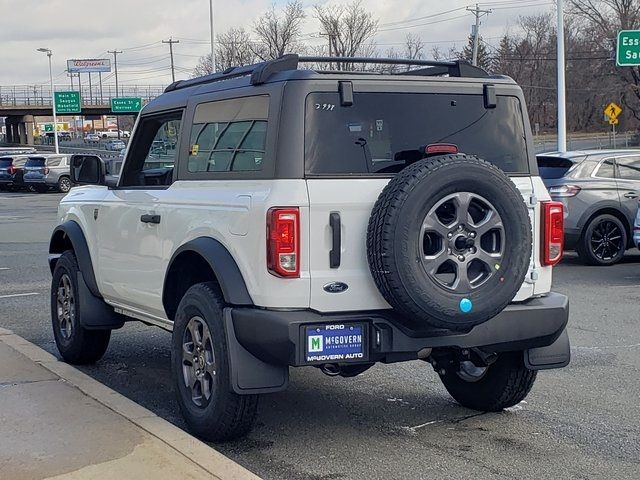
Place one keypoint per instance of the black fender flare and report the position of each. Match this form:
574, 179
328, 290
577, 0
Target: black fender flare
223, 265
72, 231
592, 210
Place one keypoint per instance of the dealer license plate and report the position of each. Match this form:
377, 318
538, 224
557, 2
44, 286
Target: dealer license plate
335, 343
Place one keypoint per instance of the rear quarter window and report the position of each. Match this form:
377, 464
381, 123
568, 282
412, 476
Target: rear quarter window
554, 167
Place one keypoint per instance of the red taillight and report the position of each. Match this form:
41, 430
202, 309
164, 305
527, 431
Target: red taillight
12, 170
553, 232
437, 148
46, 170
283, 242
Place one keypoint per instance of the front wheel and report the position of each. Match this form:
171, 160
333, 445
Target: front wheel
201, 373
603, 241
75, 343
503, 384
64, 184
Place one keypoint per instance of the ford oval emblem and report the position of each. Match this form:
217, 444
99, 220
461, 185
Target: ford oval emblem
335, 287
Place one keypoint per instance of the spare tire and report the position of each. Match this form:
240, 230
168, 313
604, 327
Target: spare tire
449, 242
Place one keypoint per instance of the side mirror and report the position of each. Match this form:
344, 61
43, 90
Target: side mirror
87, 170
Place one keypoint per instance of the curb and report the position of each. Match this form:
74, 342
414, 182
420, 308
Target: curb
198, 452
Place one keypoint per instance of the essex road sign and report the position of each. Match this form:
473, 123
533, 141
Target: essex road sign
126, 104
628, 51
613, 110
67, 102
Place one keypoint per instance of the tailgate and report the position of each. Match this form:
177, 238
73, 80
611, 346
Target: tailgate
353, 200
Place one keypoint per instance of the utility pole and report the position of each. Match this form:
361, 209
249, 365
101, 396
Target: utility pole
475, 31
171, 41
115, 68
562, 109
213, 50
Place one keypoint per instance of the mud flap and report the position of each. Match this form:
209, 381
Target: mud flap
95, 313
556, 355
250, 375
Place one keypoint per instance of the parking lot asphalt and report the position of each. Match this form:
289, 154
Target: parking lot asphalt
393, 421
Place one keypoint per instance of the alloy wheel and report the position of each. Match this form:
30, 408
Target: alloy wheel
66, 311
606, 240
462, 242
198, 361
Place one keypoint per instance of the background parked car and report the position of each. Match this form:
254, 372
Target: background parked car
92, 138
600, 191
636, 230
43, 172
11, 172
114, 145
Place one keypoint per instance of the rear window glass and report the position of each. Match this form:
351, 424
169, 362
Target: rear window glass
382, 132
554, 167
35, 162
5, 162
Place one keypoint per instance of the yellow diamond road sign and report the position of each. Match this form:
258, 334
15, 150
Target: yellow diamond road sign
613, 110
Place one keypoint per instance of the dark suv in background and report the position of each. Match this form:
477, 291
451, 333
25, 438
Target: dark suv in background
600, 191
12, 172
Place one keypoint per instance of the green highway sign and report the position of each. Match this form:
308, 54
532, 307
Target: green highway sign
126, 105
48, 127
67, 102
628, 51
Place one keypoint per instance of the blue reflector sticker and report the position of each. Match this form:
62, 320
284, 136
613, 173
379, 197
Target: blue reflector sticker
465, 305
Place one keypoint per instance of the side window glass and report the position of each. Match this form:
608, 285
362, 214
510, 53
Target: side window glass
629, 168
152, 156
606, 169
229, 135
54, 162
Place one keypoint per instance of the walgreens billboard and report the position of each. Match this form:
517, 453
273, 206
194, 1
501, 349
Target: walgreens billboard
89, 65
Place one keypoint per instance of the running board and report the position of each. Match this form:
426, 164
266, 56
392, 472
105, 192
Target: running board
143, 316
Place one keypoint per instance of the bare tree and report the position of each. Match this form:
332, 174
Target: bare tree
348, 28
413, 47
233, 48
278, 33
439, 55
610, 16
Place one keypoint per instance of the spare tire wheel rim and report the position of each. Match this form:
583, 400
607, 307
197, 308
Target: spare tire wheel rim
461, 242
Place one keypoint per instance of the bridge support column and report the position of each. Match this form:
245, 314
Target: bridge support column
20, 129
12, 129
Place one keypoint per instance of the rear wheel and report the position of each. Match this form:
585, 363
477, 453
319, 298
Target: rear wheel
603, 241
64, 184
503, 384
75, 343
201, 373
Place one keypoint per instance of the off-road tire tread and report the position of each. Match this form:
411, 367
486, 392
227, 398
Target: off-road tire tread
88, 346
239, 414
516, 385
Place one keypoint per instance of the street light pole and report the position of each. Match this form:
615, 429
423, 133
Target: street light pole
213, 49
562, 108
53, 98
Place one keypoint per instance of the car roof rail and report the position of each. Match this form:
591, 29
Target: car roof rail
261, 72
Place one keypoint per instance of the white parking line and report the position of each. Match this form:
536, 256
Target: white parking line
29, 294
4, 268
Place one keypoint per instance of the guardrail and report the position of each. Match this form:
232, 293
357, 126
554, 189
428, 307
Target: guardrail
40, 95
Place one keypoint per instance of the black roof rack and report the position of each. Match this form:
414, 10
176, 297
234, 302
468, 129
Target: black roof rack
260, 72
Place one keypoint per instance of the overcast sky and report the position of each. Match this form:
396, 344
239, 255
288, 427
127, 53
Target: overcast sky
87, 29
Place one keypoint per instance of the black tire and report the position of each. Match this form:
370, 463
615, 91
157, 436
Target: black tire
609, 252
64, 184
76, 344
506, 383
41, 189
225, 415
395, 246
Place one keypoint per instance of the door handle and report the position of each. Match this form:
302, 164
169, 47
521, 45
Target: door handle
631, 195
336, 239
148, 218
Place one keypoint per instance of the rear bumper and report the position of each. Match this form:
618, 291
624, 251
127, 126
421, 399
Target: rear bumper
277, 337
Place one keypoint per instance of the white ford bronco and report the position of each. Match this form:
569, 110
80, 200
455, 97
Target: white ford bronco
335, 219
